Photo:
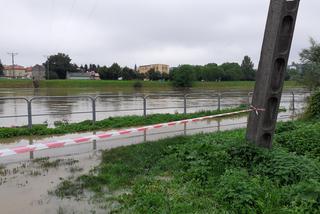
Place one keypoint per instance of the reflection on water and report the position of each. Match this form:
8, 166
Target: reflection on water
49, 110
29, 189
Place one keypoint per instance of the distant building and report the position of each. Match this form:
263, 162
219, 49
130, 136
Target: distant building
296, 66
16, 71
38, 72
157, 67
83, 76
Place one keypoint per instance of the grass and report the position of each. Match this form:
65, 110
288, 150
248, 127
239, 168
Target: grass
113, 84
110, 123
211, 173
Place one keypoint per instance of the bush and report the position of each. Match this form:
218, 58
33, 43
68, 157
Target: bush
137, 84
183, 76
313, 109
302, 141
239, 192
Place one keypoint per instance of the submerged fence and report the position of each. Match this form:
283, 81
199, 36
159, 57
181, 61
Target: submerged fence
186, 103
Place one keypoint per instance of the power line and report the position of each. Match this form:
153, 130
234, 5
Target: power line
12, 58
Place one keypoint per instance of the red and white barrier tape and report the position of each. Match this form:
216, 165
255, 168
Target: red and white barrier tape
106, 135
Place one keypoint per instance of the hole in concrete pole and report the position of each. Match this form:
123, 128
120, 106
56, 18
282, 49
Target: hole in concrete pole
292, 5
266, 140
278, 73
286, 31
271, 113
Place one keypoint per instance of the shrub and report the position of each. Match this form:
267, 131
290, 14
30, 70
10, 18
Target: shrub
239, 192
303, 141
183, 76
313, 109
137, 84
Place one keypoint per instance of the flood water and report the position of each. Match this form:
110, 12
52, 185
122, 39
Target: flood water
24, 184
27, 183
47, 109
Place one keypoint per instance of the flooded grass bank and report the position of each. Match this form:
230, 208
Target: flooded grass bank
217, 171
125, 85
34, 179
110, 123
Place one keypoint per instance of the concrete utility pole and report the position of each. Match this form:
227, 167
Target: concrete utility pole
271, 72
12, 58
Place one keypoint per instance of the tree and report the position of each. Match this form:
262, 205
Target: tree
311, 54
114, 71
59, 65
183, 76
310, 57
247, 68
103, 72
111, 73
212, 72
152, 74
1, 69
128, 74
231, 72
86, 68
311, 76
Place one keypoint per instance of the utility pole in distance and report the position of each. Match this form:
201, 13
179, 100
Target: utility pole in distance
12, 59
271, 72
48, 66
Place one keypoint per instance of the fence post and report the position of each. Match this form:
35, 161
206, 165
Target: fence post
94, 116
29, 114
31, 152
185, 103
219, 101
249, 96
145, 106
293, 101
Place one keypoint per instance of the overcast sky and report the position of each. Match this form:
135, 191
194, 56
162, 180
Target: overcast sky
143, 31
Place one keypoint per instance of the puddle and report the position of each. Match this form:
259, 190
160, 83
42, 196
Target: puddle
24, 186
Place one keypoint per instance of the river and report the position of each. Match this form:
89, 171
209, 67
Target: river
47, 108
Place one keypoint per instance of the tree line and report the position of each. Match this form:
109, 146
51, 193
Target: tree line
1, 68
58, 65
306, 72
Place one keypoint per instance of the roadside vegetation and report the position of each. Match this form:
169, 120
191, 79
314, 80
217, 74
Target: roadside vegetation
216, 173
110, 123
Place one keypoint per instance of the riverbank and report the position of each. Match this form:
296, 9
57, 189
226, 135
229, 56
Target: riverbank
219, 172
107, 124
152, 85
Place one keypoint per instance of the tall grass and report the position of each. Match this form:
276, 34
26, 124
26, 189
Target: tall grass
210, 173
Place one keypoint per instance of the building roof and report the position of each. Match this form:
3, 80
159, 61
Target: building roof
78, 74
16, 67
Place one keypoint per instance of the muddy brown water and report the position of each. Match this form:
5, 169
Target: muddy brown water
76, 110
24, 186
24, 189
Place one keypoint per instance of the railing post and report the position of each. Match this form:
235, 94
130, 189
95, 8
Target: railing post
249, 97
185, 103
145, 135
31, 152
219, 101
293, 101
144, 106
93, 110
29, 114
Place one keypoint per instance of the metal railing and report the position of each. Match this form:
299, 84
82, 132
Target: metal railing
218, 97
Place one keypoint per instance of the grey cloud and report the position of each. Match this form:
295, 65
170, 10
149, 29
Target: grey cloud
143, 31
